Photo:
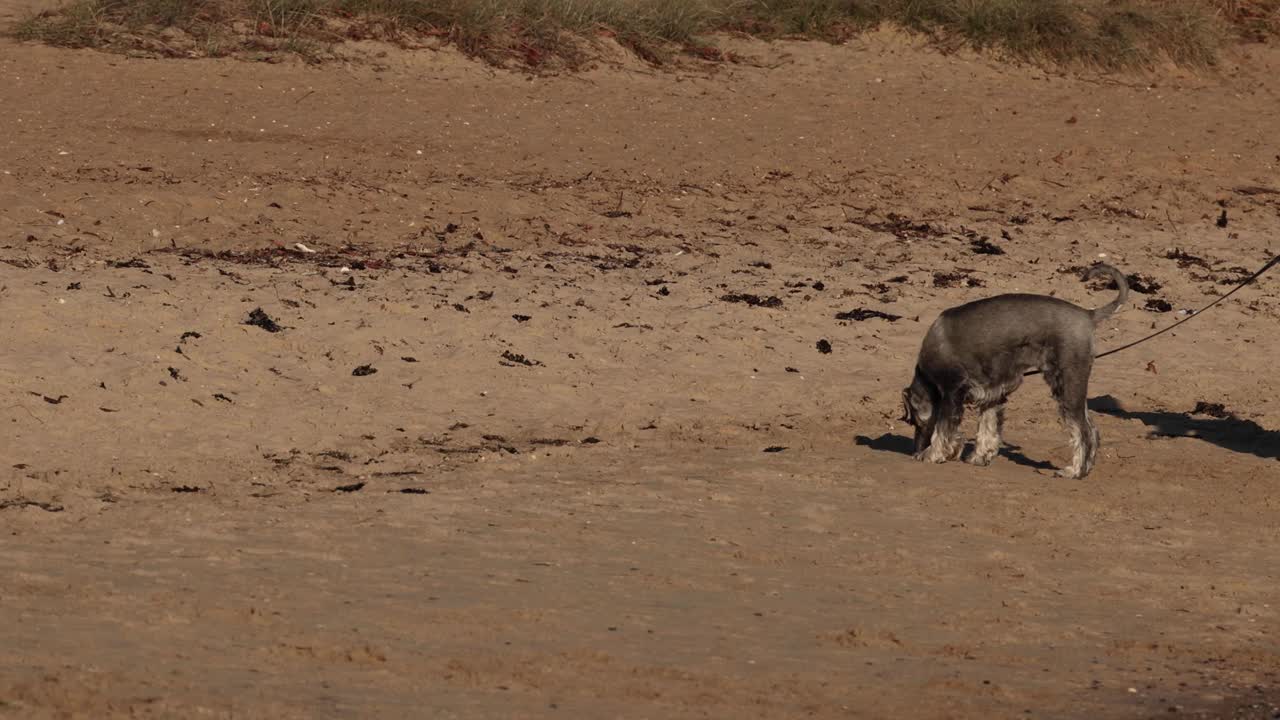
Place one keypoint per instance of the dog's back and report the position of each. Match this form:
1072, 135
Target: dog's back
1015, 328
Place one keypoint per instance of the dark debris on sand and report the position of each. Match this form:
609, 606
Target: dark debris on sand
511, 359
1186, 259
1213, 410
259, 318
861, 314
772, 301
984, 246
956, 278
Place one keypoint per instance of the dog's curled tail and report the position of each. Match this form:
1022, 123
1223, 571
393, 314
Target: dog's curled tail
1106, 311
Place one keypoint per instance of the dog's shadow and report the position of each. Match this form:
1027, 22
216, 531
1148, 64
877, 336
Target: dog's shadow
903, 445
1230, 432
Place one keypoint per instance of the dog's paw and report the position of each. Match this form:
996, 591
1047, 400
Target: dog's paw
931, 455
1067, 474
979, 460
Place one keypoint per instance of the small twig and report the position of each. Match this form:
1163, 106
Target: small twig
28, 411
23, 502
1177, 232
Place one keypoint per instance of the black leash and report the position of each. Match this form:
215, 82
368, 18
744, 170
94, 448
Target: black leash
1139, 341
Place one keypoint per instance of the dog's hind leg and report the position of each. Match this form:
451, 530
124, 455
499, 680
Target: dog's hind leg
1069, 382
990, 424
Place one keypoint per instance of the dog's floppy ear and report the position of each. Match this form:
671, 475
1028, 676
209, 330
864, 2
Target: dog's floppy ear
908, 414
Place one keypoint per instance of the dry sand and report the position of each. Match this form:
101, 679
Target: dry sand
553, 496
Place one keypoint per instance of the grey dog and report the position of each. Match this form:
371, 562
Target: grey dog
976, 354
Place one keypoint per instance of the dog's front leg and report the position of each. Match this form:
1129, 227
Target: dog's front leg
945, 443
922, 438
988, 441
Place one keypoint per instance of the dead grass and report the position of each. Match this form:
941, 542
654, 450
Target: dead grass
1254, 20
1102, 33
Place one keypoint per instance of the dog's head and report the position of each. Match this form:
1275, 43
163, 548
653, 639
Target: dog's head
918, 402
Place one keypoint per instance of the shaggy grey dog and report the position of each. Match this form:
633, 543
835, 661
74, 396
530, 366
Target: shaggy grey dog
976, 354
